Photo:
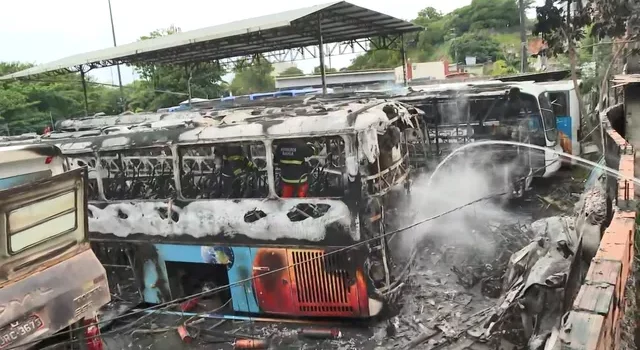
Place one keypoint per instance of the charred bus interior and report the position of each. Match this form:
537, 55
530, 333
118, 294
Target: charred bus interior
182, 203
457, 115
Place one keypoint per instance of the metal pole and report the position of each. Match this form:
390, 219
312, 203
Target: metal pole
113, 34
323, 73
84, 92
51, 119
403, 53
190, 73
523, 38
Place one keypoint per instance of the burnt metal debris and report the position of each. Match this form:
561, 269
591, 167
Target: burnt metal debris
481, 306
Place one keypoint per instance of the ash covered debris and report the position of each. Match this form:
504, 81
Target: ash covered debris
544, 276
452, 288
535, 284
493, 276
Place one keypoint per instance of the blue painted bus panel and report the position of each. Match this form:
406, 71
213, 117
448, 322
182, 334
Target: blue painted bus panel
565, 133
151, 293
179, 253
242, 293
564, 125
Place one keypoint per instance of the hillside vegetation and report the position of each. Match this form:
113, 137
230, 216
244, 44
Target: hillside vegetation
486, 29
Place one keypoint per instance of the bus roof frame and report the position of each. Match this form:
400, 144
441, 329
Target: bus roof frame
238, 125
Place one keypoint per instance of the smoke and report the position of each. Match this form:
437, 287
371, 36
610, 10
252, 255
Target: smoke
466, 179
454, 111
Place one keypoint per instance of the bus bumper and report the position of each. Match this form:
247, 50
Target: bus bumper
552, 162
50, 300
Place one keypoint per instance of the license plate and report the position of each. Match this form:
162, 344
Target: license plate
21, 329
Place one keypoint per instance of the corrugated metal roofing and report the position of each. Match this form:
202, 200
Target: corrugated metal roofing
341, 21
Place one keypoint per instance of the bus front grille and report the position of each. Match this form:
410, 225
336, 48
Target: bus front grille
323, 283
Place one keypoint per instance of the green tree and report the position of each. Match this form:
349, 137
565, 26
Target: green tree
253, 78
376, 59
488, 16
291, 72
485, 14
327, 70
206, 81
29, 106
501, 67
422, 46
478, 45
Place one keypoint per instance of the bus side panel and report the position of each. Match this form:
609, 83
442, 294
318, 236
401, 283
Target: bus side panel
327, 285
239, 261
279, 281
154, 272
272, 282
240, 272
574, 108
156, 287
565, 131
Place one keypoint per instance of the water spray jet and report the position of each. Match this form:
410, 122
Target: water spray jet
611, 171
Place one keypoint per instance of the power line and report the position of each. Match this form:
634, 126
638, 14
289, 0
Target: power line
249, 279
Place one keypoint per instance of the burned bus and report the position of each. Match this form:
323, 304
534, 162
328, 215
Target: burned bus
50, 279
166, 223
460, 113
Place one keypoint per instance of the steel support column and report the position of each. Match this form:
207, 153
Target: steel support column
189, 70
523, 37
403, 54
323, 73
113, 34
84, 92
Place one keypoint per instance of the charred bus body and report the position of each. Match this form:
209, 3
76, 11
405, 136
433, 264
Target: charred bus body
457, 114
50, 279
159, 214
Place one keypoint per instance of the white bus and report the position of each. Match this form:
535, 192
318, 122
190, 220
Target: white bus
566, 108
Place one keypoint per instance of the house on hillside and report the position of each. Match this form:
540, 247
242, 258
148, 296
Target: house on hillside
537, 49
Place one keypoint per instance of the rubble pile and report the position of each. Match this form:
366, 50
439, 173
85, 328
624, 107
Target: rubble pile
452, 289
467, 297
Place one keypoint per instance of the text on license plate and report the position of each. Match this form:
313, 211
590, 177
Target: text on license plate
19, 330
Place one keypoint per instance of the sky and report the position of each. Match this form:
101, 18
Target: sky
39, 31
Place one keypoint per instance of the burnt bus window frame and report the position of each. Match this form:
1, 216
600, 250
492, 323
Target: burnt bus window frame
548, 117
560, 103
169, 181
212, 145
24, 178
94, 184
343, 147
530, 104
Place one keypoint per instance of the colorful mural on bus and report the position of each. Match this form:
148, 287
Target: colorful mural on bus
272, 280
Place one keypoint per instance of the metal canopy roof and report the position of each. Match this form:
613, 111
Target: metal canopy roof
340, 21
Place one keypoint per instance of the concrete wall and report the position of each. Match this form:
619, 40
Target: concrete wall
435, 70
336, 79
595, 321
476, 69
632, 125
